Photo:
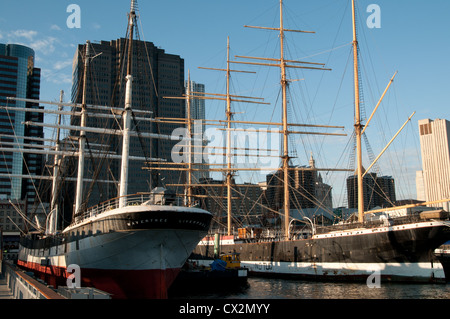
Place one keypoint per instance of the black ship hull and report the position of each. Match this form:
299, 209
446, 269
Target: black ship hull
393, 253
443, 254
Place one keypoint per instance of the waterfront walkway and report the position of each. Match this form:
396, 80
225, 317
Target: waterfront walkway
5, 292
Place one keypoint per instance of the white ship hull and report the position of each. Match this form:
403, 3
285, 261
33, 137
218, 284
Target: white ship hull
138, 258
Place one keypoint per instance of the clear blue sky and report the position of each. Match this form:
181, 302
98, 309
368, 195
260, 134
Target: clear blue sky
413, 39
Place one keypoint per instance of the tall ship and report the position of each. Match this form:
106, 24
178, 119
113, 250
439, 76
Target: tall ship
131, 246
392, 244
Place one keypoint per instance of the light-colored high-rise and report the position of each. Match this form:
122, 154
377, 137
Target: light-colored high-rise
435, 151
198, 116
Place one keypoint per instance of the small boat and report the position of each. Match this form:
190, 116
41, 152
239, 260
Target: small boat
224, 274
443, 255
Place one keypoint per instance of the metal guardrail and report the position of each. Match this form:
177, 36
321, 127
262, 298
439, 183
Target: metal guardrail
23, 286
135, 199
277, 234
113, 204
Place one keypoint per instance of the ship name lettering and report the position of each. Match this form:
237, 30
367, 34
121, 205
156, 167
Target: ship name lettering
142, 221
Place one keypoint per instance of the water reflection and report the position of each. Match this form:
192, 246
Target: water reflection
263, 288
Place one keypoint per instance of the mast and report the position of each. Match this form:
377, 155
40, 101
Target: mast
54, 208
82, 140
285, 156
282, 64
228, 98
284, 83
228, 114
189, 128
358, 125
123, 188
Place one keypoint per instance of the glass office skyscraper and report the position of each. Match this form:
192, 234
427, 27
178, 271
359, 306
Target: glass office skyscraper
18, 78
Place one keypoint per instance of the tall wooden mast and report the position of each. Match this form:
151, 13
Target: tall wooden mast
284, 84
228, 98
358, 125
229, 114
285, 157
283, 64
189, 129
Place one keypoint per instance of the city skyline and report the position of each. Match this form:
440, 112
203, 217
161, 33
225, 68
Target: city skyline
400, 44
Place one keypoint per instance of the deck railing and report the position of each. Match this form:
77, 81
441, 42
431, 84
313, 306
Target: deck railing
131, 200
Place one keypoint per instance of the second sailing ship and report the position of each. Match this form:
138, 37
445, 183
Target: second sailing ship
398, 244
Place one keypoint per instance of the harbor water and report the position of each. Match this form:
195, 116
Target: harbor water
269, 288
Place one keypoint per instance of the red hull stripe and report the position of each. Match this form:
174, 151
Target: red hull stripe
121, 284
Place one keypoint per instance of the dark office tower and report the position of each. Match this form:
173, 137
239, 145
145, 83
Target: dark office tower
156, 75
18, 78
386, 194
378, 191
302, 188
369, 182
